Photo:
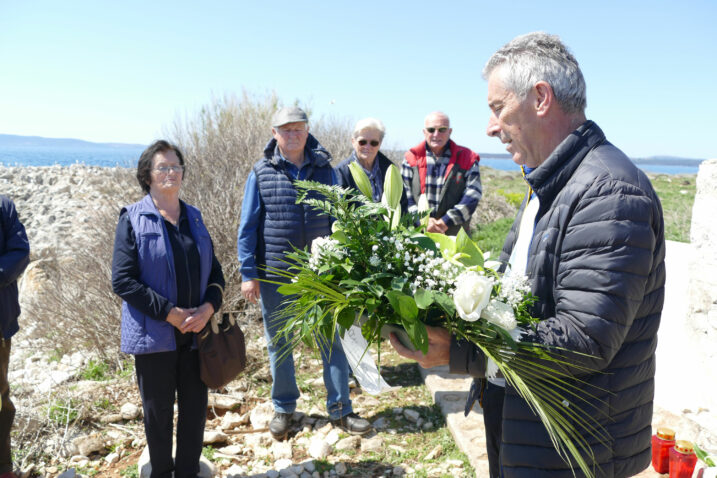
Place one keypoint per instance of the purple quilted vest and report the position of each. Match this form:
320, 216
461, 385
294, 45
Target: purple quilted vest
142, 334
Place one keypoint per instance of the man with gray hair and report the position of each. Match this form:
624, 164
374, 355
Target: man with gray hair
366, 140
272, 224
590, 238
447, 174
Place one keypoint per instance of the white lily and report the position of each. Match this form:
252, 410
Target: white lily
361, 179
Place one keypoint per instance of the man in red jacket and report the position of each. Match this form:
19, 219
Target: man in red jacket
446, 173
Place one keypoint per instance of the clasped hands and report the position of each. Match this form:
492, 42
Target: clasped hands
436, 225
191, 320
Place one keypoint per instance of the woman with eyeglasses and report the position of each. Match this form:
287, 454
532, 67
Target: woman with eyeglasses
170, 282
366, 140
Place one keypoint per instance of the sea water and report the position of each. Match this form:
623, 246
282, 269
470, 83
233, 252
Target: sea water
127, 156
124, 156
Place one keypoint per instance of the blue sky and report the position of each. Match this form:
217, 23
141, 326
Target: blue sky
125, 71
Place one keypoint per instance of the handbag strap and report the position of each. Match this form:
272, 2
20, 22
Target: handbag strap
215, 321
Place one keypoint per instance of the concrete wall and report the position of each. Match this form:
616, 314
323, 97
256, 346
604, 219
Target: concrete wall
702, 290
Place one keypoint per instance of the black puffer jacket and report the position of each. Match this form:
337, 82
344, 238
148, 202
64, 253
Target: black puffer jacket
14, 257
596, 263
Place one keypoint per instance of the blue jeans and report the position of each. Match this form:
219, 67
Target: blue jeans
284, 391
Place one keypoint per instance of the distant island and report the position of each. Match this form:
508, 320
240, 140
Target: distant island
17, 141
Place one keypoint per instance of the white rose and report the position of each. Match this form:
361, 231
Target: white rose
472, 295
500, 314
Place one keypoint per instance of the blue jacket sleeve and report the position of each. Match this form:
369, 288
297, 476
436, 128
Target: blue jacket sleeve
14, 246
126, 272
247, 237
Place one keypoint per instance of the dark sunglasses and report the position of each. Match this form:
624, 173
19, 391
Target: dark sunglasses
362, 142
442, 129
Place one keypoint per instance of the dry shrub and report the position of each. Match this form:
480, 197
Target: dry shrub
221, 144
75, 307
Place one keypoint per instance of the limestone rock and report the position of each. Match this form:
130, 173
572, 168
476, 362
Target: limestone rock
374, 444
350, 443
111, 418
89, 444
283, 464
112, 458
261, 415
435, 453
281, 449
129, 411
214, 436
319, 449
411, 415
231, 420
224, 402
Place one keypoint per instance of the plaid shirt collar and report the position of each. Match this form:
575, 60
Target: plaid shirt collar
445, 156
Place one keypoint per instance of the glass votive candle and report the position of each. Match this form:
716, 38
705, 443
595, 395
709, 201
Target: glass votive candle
682, 459
662, 441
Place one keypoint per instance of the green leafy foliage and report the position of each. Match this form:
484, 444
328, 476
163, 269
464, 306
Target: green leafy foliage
208, 452
95, 370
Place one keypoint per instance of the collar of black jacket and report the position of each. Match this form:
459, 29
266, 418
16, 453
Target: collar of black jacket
550, 177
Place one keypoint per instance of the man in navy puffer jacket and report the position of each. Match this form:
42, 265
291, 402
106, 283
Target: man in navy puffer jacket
14, 257
590, 238
271, 224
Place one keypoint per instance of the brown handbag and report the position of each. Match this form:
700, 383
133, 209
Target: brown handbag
222, 352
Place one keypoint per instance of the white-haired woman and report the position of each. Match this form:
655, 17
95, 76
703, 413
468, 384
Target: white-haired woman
366, 140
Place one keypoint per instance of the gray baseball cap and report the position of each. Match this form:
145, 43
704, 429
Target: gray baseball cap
289, 114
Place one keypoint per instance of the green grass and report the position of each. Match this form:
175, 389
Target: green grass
103, 404
490, 237
126, 368
95, 370
130, 472
514, 198
676, 193
62, 412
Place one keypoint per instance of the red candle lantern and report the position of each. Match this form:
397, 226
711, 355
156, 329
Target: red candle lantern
662, 441
682, 459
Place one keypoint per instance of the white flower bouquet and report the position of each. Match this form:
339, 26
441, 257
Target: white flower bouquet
380, 270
